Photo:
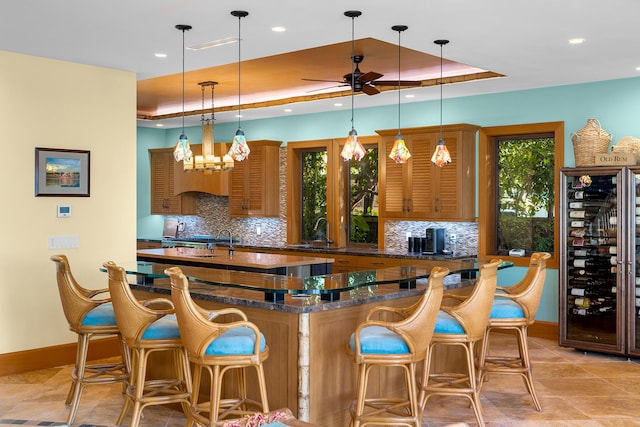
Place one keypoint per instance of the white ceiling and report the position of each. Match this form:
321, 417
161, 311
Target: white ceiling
527, 41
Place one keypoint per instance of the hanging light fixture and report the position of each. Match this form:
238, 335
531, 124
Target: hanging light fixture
239, 149
352, 147
441, 155
211, 158
399, 153
183, 148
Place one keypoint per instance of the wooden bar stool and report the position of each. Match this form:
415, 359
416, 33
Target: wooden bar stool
219, 348
514, 309
89, 317
148, 329
461, 325
395, 344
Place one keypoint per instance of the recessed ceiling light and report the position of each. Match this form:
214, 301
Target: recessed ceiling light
409, 95
637, 68
576, 41
338, 104
160, 55
159, 125
278, 29
288, 110
238, 116
214, 43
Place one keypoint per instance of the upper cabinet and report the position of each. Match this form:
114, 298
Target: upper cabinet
418, 189
163, 198
254, 184
212, 182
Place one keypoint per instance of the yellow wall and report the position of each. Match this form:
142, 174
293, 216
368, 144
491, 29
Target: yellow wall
54, 104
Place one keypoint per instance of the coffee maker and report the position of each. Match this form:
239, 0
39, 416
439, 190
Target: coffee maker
434, 241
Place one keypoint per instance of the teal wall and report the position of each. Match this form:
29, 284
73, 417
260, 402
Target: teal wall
615, 103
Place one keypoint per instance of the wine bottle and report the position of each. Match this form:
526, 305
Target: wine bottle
577, 214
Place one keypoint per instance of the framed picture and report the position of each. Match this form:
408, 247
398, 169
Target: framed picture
61, 172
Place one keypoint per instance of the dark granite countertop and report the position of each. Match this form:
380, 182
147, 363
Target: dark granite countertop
298, 304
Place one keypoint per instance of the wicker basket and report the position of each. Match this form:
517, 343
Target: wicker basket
589, 141
628, 145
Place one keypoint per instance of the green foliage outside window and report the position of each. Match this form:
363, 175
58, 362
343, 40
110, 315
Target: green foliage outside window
363, 198
314, 193
525, 190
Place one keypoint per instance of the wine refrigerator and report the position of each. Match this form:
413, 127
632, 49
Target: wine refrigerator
599, 304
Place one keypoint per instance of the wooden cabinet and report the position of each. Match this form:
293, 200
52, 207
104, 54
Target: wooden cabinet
163, 198
147, 244
212, 182
420, 190
254, 187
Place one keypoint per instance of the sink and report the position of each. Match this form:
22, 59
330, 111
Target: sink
301, 245
320, 245
203, 256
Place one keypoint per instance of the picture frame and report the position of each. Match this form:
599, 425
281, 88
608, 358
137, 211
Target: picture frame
62, 173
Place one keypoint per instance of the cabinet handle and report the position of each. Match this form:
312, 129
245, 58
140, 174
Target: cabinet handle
436, 205
408, 205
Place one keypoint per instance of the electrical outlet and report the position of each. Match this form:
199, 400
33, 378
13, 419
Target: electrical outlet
258, 230
453, 238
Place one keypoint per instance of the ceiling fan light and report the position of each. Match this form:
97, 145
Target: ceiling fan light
353, 148
441, 155
399, 152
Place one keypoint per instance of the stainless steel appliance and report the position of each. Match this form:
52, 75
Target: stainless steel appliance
434, 241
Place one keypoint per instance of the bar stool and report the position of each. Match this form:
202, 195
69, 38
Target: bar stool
219, 348
514, 308
88, 317
395, 344
461, 325
148, 329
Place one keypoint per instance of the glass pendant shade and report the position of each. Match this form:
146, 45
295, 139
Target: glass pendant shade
399, 153
239, 148
353, 149
441, 155
183, 149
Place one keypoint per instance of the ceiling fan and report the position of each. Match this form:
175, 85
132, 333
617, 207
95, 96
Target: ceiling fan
365, 82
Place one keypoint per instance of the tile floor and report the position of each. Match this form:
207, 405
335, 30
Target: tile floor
575, 389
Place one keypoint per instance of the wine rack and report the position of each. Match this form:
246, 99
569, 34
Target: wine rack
599, 228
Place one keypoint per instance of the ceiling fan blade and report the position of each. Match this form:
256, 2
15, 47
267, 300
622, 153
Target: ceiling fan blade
370, 76
328, 87
370, 89
320, 80
395, 83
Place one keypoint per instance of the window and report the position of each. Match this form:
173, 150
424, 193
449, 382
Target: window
517, 187
362, 177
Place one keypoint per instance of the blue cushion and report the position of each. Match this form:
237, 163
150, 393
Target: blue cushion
447, 324
164, 328
235, 341
379, 340
102, 315
504, 308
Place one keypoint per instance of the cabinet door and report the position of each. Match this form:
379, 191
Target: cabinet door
393, 200
254, 188
632, 246
419, 186
592, 270
163, 200
453, 185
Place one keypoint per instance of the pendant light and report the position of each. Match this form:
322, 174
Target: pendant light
441, 155
399, 153
183, 148
352, 147
239, 149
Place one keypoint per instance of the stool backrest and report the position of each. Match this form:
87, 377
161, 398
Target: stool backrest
473, 313
76, 300
419, 324
132, 317
528, 291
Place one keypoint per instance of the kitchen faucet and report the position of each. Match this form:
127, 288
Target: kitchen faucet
230, 239
327, 230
